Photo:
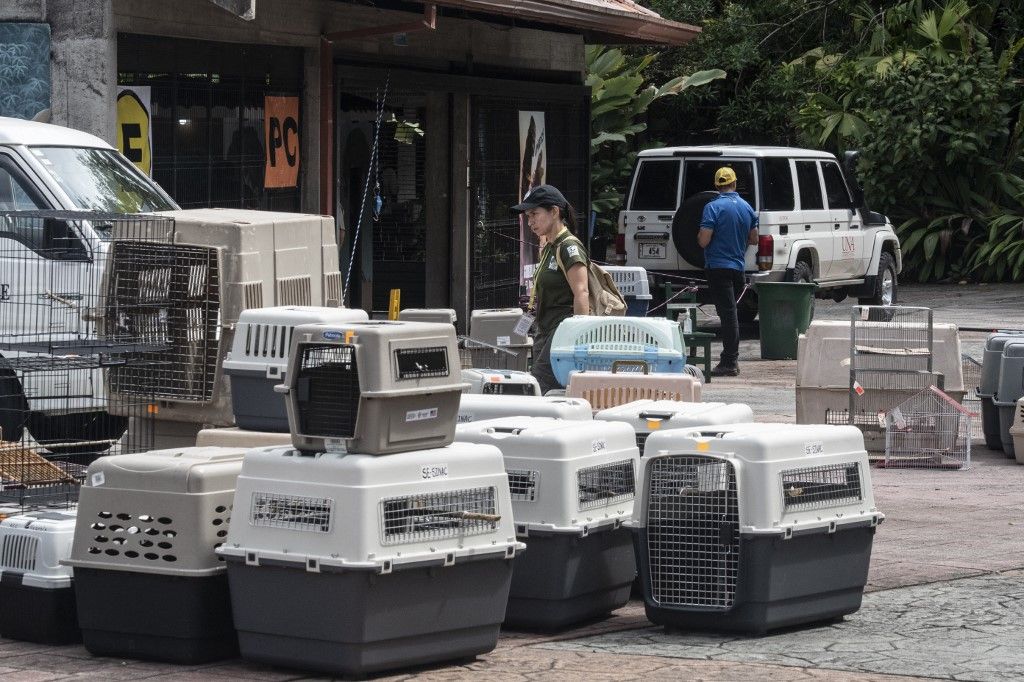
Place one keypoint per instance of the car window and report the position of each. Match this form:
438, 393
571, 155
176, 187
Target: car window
778, 186
810, 187
657, 186
13, 196
101, 180
835, 187
699, 176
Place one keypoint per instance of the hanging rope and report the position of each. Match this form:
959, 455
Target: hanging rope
371, 176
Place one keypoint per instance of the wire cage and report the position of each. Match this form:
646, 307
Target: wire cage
929, 429
56, 354
972, 400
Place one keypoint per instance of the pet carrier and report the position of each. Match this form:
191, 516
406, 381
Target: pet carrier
373, 387
259, 358
493, 342
572, 487
474, 407
233, 437
353, 564
217, 263
753, 527
634, 286
929, 429
1009, 390
648, 416
36, 591
434, 315
500, 382
147, 582
588, 343
823, 377
1017, 432
604, 390
988, 384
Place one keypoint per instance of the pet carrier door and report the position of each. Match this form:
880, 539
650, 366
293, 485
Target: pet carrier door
328, 390
693, 532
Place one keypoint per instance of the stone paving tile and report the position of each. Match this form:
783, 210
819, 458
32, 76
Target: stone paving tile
966, 629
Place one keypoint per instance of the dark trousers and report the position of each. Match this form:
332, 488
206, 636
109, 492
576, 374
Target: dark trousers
726, 284
541, 370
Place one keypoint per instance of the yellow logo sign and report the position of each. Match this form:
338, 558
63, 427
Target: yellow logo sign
133, 130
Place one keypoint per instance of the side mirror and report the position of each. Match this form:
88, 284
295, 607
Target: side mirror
850, 171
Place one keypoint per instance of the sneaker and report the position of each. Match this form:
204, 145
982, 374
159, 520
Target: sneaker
725, 371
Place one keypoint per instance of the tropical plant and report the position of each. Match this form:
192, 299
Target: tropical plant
619, 102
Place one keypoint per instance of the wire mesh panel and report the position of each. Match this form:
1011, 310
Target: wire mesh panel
56, 412
523, 485
291, 512
972, 382
928, 430
606, 484
328, 390
821, 487
434, 516
692, 520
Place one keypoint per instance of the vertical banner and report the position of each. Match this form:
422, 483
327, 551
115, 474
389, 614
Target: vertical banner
532, 173
281, 140
134, 126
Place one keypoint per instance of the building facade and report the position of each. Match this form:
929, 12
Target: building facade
286, 105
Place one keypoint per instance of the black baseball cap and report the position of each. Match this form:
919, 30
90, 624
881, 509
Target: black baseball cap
542, 195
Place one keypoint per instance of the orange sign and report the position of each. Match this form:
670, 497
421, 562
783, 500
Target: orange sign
281, 140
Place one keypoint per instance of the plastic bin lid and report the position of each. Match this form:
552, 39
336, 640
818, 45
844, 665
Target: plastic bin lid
179, 470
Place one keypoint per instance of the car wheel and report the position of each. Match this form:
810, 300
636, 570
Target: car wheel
686, 225
885, 283
746, 309
59, 433
13, 405
802, 272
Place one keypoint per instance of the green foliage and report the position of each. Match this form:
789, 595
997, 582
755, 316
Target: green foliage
619, 102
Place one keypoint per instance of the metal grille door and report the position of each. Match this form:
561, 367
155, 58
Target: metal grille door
692, 518
328, 389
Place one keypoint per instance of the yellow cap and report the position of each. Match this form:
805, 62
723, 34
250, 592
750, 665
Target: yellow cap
724, 176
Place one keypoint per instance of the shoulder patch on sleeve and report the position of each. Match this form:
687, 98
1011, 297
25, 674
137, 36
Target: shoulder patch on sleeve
573, 251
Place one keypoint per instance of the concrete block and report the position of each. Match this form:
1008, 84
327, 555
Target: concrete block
22, 10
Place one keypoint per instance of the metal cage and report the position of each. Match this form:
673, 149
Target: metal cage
929, 429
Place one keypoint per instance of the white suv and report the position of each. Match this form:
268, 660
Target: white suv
814, 226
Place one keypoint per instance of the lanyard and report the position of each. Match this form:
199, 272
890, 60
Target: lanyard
545, 256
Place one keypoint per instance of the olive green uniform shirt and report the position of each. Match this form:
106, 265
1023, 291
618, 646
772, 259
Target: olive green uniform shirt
554, 297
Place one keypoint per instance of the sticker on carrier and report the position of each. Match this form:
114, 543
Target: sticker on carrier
421, 415
434, 471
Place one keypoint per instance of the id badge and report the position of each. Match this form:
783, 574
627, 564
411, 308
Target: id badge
524, 324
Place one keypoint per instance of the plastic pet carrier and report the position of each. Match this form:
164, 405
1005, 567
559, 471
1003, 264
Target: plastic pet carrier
475, 407
188, 293
573, 485
634, 286
373, 387
1009, 390
259, 357
36, 592
588, 343
649, 416
493, 342
605, 390
500, 382
434, 315
233, 437
754, 527
147, 581
1017, 432
988, 385
353, 564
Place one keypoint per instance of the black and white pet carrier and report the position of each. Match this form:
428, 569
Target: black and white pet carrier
37, 598
373, 387
259, 357
474, 407
500, 382
147, 581
353, 564
573, 486
649, 416
753, 527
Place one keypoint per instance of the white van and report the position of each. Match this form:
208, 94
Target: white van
814, 226
51, 168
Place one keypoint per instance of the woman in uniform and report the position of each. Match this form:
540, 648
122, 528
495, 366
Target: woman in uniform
560, 281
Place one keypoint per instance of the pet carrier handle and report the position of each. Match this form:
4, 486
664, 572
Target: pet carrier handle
282, 388
631, 363
656, 415
474, 516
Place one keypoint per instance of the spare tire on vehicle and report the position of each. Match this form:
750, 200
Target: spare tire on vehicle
686, 224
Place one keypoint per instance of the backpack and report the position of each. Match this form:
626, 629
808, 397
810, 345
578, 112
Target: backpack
605, 299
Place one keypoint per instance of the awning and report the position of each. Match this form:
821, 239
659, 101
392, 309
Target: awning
600, 21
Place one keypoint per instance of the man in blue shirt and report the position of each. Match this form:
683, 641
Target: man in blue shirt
729, 224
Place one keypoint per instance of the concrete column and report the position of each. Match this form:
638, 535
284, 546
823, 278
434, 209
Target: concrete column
438, 203
310, 177
461, 231
84, 66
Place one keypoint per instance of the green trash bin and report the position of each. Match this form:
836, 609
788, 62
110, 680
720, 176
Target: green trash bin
786, 309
